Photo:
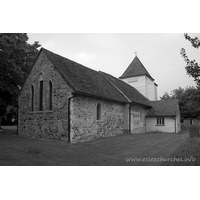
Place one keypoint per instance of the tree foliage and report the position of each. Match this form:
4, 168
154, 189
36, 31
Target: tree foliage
192, 67
189, 101
175, 94
16, 58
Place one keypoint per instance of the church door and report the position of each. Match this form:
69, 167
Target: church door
135, 121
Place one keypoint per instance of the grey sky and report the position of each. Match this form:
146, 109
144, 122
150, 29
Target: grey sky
112, 53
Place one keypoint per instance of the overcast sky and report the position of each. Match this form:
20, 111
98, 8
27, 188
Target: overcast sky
112, 53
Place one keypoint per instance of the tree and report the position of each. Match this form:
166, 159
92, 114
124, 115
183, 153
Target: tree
175, 94
166, 96
16, 58
192, 67
189, 101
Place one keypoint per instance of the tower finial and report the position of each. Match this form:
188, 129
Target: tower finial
136, 53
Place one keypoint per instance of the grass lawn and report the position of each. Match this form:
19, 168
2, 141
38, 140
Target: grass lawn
112, 151
188, 151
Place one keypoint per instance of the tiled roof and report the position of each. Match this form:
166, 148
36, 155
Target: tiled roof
84, 80
136, 68
129, 91
163, 108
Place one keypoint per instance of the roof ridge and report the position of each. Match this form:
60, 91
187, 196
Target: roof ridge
137, 93
70, 60
84, 80
166, 100
57, 68
136, 68
114, 85
164, 108
142, 64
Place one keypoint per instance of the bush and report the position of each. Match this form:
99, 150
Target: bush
194, 131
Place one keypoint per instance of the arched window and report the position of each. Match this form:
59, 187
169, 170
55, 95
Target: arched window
41, 93
99, 111
50, 95
32, 98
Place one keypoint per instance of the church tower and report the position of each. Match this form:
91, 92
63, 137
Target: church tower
137, 76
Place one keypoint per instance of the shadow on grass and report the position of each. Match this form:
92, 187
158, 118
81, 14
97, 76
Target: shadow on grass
12, 130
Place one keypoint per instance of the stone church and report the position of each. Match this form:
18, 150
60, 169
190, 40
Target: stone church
64, 100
